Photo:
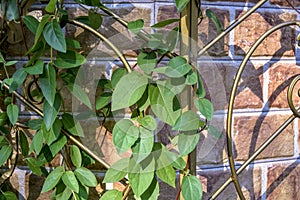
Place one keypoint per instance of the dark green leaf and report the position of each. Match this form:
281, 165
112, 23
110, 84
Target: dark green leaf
23, 143
72, 125
12, 113
69, 59
53, 133
187, 142
80, 94
48, 83
167, 174
178, 67
18, 79
2, 60
112, 195
117, 171
129, 90
35, 69
72, 44
147, 61
148, 122
124, 135
136, 26
143, 146
51, 6
37, 142
210, 14
65, 194
117, 75
54, 36
205, 107
165, 23
34, 166
53, 178
152, 192
51, 111
40, 29
35, 124
191, 188
56, 146
83, 19
181, 4
3, 118
103, 100
75, 155
188, 121
86, 177
5, 152
10, 196
200, 92
95, 19
70, 181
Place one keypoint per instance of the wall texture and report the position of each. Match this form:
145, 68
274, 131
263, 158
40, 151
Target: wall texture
260, 105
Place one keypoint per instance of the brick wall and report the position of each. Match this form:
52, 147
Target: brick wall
260, 105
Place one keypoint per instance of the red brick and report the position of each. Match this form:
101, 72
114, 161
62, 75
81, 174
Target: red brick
285, 3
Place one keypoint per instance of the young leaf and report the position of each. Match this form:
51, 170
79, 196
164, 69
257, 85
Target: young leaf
35, 69
129, 90
70, 181
191, 188
136, 26
167, 174
69, 59
112, 195
117, 171
5, 152
103, 100
188, 121
75, 155
187, 142
51, 111
205, 107
165, 23
53, 178
23, 143
51, 6
178, 67
147, 61
86, 177
12, 113
48, 83
72, 125
181, 4
143, 146
95, 19
54, 36
124, 135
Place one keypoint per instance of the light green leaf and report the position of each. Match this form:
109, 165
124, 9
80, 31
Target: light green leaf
53, 178
54, 36
5, 152
188, 121
31, 22
12, 113
178, 67
191, 188
112, 195
95, 19
48, 83
51, 111
143, 146
117, 171
147, 61
129, 90
179, 163
191, 78
69, 59
65, 194
35, 69
162, 156
167, 174
37, 142
136, 26
51, 6
103, 100
80, 94
75, 155
181, 4
23, 143
187, 142
56, 146
117, 75
10, 63
86, 177
70, 181
152, 192
165, 23
124, 135
148, 122
205, 107
72, 125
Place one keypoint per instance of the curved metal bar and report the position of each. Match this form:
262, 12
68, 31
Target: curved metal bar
104, 39
232, 98
290, 95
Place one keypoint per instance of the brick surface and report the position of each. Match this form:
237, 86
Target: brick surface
281, 76
251, 131
279, 43
285, 3
283, 181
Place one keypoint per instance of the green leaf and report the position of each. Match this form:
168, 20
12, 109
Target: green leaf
205, 107
147, 61
31, 22
181, 4
48, 83
23, 143
2, 60
80, 94
56, 146
5, 152
211, 15
18, 79
10, 63
103, 100
179, 163
215, 132
35, 69
143, 146
129, 90
200, 92
35, 124
86, 177
187, 142
167, 174
95, 19
136, 26
34, 166
191, 188
70, 181
51, 6
117, 171
10, 196
12, 113
53, 178
37, 142
112, 195
188, 121
65, 194
11, 10
148, 122
3, 118
124, 135
162, 156
178, 67
117, 75
54, 36
72, 125
69, 59
165, 23
53, 133
191, 78
72, 44
152, 192
51, 111
75, 155
40, 29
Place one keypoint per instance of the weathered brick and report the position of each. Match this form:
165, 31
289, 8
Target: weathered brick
279, 43
285, 3
283, 181
281, 76
250, 132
